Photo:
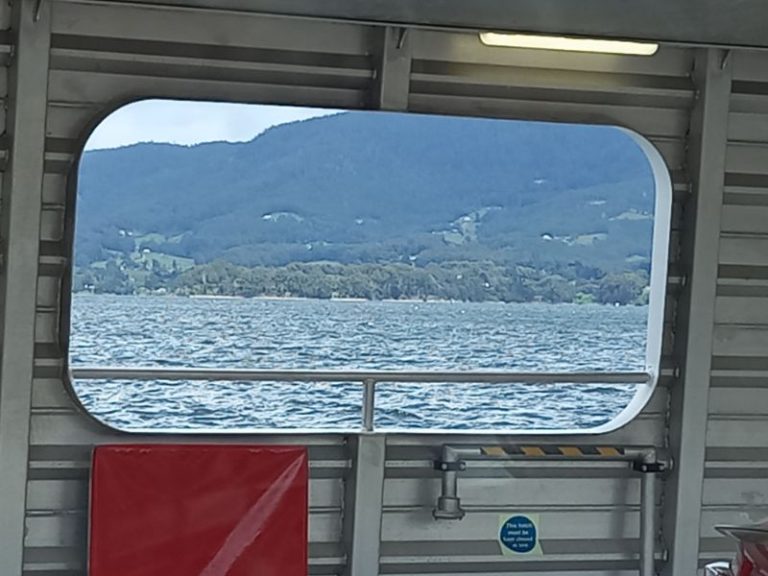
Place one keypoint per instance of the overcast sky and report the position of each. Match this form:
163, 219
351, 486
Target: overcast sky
191, 122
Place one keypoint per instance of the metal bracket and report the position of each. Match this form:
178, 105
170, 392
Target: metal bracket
449, 464
38, 10
401, 35
442, 466
725, 60
393, 69
648, 467
448, 508
449, 504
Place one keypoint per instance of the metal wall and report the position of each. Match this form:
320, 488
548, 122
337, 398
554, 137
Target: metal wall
104, 54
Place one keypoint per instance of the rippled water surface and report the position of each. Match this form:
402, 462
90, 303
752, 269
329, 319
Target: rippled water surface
309, 334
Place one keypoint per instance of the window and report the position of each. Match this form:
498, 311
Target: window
219, 237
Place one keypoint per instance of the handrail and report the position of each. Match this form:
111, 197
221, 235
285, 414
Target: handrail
645, 460
361, 376
368, 378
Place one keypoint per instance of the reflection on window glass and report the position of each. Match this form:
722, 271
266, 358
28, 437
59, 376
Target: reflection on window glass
358, 241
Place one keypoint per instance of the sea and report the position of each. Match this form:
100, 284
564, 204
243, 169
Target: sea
262, 333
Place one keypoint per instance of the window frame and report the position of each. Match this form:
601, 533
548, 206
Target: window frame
654, 327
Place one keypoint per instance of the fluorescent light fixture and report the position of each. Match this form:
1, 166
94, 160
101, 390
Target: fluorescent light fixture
569, 44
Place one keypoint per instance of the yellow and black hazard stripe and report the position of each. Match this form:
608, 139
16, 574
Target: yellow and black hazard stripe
544, 450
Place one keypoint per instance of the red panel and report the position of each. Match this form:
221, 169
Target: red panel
198, 510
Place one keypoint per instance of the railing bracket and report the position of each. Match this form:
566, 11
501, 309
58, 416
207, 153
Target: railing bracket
442, 466
648, 467
448, 508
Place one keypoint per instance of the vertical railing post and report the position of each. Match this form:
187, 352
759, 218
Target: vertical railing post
369, 404
647, 523
650, 466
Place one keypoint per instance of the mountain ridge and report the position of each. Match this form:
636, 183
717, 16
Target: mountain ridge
375, 187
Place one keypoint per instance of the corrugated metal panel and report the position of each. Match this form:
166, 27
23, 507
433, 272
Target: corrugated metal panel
590, 521
735, 487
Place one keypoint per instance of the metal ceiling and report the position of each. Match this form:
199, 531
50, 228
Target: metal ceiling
735, 23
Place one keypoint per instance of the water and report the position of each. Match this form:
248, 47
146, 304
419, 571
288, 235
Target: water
309, 334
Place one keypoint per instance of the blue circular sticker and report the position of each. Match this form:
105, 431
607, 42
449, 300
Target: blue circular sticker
518, 534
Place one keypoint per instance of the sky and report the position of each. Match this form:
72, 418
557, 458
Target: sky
188, 123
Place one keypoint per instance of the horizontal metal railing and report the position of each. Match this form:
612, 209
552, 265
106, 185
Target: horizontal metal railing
367, 378
389, 376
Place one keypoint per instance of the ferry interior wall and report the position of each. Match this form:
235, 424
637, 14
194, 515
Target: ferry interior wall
647, 492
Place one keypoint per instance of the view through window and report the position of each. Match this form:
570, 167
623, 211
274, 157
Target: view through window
256, 237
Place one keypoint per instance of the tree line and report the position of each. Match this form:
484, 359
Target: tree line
477, 281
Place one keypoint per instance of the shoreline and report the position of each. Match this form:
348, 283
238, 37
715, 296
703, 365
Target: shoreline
353, 300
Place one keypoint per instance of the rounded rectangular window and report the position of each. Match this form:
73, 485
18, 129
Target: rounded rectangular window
258, 267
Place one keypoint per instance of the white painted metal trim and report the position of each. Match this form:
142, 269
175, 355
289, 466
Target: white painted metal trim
364, 493
21, 218
690, 396
662, 225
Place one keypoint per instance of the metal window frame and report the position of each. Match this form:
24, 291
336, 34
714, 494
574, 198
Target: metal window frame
662, 226
394, 61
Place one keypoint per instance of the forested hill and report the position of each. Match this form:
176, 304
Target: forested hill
359, 188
